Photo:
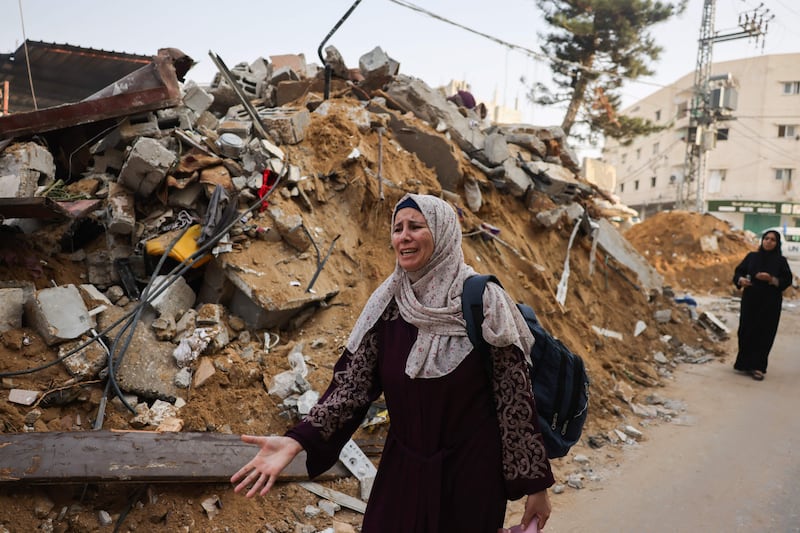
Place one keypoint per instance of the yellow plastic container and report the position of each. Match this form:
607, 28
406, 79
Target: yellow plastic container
184, 248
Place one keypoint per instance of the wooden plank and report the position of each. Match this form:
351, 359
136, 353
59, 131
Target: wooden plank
132, 456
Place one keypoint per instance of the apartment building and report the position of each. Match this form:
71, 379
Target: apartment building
751, 161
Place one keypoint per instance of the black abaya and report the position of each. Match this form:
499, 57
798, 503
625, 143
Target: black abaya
760, 308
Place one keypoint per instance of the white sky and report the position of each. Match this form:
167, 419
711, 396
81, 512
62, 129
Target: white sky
427, 48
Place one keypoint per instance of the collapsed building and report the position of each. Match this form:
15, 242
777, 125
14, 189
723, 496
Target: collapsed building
187, 260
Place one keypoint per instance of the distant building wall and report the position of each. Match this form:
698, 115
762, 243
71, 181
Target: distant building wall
749, 174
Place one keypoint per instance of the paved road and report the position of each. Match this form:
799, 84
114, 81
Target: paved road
731, 464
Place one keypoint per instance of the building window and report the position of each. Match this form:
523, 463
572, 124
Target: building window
636, 185
683, 110
624, 158
655, 148
786, 131
791, 87
638, 153
715, 179
621, 188
658, 115
783, 174
653, 181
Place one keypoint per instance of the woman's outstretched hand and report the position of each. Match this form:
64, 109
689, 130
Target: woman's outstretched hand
261, 472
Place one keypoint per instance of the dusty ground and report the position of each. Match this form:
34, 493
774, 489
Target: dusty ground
344, 200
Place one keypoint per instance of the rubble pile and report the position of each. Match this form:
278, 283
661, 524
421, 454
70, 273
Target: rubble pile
217, 251
694, 252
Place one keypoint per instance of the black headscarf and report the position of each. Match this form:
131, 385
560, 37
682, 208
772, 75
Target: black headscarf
769, 260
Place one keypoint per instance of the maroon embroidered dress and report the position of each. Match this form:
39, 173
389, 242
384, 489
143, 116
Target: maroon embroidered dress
443, 468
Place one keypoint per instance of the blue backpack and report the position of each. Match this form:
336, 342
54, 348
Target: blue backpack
558, 376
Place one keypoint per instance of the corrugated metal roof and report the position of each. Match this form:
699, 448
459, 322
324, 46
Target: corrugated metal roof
62, 73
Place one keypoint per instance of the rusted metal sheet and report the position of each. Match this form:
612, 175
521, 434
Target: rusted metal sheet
131, 456
41, 207
152, 87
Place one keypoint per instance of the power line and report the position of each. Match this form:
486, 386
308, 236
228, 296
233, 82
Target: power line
527, 51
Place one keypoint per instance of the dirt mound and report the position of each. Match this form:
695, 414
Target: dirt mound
694, 252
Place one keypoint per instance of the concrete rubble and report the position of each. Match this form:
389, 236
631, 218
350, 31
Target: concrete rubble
185, 187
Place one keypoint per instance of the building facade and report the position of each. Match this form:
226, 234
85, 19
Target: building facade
750, 158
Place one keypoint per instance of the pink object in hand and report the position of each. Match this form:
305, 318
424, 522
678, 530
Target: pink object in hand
533, 527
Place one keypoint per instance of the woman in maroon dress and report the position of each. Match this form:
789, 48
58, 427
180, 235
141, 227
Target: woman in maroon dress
459, 445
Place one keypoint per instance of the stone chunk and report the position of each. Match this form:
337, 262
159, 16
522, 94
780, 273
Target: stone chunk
12, 303
22, 397
86, 363
176, 298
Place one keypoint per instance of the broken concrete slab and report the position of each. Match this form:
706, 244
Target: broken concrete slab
430, 105
610, 239
556, 181
58, 314
147, 368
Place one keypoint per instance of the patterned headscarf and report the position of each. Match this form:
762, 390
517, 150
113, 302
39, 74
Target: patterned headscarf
430, 299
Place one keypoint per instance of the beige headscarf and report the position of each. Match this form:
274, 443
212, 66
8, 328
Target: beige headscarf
430, 299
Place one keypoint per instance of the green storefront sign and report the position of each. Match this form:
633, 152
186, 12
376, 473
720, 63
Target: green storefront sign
754, 207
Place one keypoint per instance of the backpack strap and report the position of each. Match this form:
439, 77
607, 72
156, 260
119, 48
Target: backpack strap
472, 307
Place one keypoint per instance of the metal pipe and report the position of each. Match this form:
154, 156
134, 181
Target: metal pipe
328, 69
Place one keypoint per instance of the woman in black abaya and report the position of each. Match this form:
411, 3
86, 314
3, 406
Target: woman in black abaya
763, 275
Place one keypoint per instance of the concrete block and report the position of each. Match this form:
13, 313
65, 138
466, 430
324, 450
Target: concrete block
146, 166
377, 68
207, 120
24, 167
59, 314
195, 98
121, 211
240, 127
186, 198
12, 302
139, 126
176, 298
288, 123
175, 117
284, 74
100, 267
296, 62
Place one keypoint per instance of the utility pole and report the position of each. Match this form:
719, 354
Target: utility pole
703, 116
